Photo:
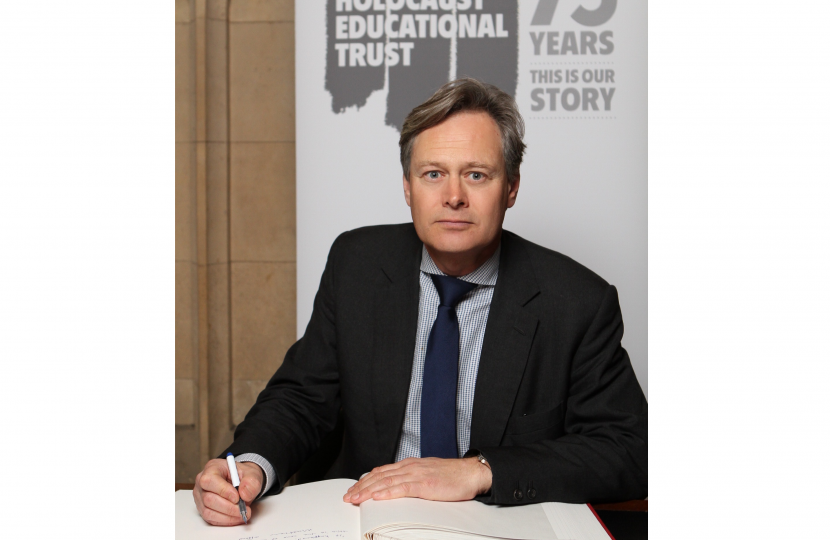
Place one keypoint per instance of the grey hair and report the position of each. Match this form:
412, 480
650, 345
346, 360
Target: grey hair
468, 94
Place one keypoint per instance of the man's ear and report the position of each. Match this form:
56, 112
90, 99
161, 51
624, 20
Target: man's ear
407, 193
513, 191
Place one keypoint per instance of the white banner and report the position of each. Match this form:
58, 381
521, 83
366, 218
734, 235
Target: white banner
578, 70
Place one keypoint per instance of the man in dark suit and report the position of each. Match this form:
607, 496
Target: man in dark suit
468, 362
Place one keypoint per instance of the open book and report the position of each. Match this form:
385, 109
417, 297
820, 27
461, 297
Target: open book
317, 510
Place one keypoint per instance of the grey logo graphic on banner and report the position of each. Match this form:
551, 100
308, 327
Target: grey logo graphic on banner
586, 89
601, 15
420, 44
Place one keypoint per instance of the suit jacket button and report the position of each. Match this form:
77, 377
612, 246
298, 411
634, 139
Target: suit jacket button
517, 494
531, 493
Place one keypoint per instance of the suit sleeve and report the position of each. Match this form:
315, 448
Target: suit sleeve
603, 455
299, 405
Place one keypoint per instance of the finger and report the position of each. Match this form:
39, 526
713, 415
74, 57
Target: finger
415, 473
220, 505
198, 494
250, 481
249, 489
221, 520
379, 471
214, 517
214, 481
378, 474
197, 497
384, 484
397, 491
368, 481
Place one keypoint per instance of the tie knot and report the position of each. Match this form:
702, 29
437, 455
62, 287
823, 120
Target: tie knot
451, 289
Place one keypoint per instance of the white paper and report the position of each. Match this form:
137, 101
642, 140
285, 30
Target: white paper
317, 510
304, 512
516, 522
574, 521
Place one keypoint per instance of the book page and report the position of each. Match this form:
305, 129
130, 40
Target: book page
304, 512
574, 521
515, 522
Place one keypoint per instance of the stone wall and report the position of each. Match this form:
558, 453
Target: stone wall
235, 214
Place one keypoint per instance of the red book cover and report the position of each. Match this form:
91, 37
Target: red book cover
611, 536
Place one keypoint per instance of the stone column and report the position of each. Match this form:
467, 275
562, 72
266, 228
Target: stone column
235, 214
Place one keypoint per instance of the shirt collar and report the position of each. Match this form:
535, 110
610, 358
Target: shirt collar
486, 274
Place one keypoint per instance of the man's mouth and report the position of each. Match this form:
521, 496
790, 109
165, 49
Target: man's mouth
454, 223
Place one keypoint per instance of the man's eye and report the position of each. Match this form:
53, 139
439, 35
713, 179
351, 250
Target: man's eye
433, 175
476, 176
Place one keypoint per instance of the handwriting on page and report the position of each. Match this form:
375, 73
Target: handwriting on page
300, 534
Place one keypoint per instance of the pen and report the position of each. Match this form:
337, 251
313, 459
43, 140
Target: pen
235, 482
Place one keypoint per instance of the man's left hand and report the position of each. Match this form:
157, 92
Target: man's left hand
434, 479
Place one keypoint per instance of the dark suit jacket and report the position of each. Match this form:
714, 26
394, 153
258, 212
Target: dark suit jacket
557, 409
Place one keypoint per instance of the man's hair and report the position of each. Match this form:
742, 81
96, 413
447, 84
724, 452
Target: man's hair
467, 94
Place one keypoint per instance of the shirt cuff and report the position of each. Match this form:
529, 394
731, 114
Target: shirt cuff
270, 474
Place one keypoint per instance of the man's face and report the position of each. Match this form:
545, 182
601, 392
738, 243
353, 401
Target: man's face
457, 187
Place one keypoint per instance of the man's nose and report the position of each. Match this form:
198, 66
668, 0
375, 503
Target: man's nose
455, 194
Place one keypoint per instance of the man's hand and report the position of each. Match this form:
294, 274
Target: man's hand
217, 499
425, 478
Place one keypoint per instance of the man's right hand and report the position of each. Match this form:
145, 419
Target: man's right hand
217, 499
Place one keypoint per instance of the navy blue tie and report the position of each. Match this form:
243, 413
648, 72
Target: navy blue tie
438, 393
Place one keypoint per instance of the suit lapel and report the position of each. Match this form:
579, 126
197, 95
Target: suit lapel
395, 330
507, 340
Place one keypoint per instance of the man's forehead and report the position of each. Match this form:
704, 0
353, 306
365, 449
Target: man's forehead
475, 163
465, 123
476, 132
